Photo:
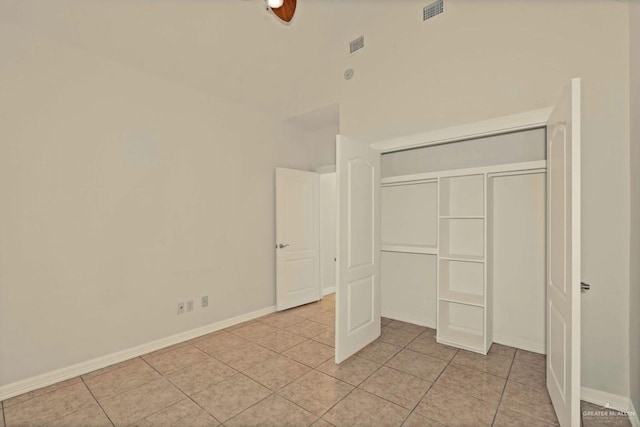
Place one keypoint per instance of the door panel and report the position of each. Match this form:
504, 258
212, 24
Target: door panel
358, 282
563, 252
297, 227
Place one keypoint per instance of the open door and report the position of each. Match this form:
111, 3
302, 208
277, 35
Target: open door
563, 252
358, 282
297, 238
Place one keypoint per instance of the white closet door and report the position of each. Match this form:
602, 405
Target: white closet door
563, 252
358, 284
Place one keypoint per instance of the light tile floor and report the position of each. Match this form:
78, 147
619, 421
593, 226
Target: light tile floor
279, 371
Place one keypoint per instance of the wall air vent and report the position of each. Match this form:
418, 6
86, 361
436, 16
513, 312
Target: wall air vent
355, 45
435, 8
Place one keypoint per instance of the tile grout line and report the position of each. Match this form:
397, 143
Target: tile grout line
96, 400
503, 389
433, 382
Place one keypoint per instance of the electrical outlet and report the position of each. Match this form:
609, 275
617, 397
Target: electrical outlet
180, 307
190, 305
205, 301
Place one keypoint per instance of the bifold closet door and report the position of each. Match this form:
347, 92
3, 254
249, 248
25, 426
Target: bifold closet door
517, 236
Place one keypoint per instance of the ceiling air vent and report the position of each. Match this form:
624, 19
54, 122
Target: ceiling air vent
432, 10
355, 45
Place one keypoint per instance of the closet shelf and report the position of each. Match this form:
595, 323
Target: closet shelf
427, 250
462, 298
461, 339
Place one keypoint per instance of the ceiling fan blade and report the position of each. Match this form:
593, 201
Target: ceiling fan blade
286, 11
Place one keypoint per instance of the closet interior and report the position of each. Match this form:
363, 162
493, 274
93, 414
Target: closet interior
463, 229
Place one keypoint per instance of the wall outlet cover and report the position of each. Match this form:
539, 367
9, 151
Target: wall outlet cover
205, 301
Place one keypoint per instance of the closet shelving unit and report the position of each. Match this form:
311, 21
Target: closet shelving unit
445, 213
462, 284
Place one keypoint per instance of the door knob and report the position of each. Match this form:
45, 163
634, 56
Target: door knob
281, 246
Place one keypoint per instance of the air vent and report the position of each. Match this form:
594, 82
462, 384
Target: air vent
356, 45
432, 10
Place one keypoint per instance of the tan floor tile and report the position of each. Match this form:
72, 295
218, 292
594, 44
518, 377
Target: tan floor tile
308, 328
472, 382
354, 370
526, 373
308, 310
120, 380
168, 348
1, 416
326, 338
360, 408
427, 344
397, 336
594, 416
430, 332
452, 408
397, 387
201, 375
532, 401
501, 350
184, 413
311, 353
279, 341
325, 317
379, 351
176, 359
327, 304
136, 404
409, 327
321, 423
417, 420
507, 418
49, 406
385, 321
219, 342
110, 368
230, 397
316, 392
536, 360
246, 356
418, 364
495, 365
277, 372
39, 392
254, 330
273, 411
91, 416
282, 320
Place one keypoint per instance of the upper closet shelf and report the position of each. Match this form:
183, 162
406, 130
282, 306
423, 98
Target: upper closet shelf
427, 250
510, 167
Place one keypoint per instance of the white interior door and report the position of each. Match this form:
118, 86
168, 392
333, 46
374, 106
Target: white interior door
563, 252
297, 238
358, 282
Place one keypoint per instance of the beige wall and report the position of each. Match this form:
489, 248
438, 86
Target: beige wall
490, 58
122, 194
634, 294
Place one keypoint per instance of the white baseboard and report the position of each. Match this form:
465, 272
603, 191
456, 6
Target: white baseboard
327, 291
521, 344
610, 400
635, 419
46, 379
404, 318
